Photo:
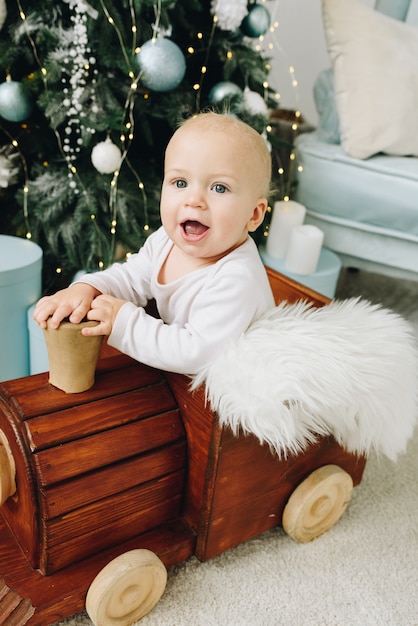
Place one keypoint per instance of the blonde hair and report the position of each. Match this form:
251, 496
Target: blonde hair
256, 145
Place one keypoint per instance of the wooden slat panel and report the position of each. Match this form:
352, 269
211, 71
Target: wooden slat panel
80, 421
72, 494
95, 451
251, 486
203, 434
33, 395
240, 524
236, 485
136, 502
247, 470
98, 526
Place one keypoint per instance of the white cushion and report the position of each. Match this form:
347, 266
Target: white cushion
375, 61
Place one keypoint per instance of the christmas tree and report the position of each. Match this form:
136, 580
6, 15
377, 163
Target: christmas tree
90, 93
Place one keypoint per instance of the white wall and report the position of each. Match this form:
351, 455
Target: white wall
299, 41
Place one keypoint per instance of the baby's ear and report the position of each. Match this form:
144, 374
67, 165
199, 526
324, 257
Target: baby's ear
257, 216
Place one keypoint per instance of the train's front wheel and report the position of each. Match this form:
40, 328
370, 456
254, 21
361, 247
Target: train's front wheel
126, 589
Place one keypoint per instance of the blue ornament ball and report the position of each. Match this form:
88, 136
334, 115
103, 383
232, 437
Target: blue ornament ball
162, 64
223, 90
15, 102
256, 22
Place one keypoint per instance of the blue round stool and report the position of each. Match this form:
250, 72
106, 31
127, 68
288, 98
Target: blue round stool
20, 286
324, 280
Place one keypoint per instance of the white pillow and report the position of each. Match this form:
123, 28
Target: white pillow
375, 61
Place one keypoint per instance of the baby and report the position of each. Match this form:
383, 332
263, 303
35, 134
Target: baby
201, 266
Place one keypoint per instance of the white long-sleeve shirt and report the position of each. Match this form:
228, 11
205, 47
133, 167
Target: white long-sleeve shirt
200, 313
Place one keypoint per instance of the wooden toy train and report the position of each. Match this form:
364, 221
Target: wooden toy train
117, 483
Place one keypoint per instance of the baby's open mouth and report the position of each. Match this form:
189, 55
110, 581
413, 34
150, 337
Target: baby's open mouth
192, 228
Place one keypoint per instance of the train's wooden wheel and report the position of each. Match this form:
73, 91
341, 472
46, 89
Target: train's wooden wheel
317, 503
7, 470
126, 589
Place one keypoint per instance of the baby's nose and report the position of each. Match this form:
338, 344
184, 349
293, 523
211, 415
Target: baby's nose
195, 198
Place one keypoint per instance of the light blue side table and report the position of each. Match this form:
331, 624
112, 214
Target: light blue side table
20, 286
324, 280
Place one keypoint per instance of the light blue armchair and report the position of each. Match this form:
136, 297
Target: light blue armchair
359, 180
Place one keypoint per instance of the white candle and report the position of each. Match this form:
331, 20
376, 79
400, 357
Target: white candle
286, 217
304, 249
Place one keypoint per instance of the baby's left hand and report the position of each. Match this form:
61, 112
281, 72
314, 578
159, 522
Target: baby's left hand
104, 310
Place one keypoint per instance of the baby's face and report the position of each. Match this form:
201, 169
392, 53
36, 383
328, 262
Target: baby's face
211, 194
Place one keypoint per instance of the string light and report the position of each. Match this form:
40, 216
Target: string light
117, 31
134, 29
197, 87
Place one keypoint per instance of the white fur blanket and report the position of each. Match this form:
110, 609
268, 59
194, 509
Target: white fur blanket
348, 369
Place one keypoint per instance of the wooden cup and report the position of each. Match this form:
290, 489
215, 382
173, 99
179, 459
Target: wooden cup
72, 356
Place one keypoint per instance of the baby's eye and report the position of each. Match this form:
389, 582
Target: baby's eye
219, 188
180, 184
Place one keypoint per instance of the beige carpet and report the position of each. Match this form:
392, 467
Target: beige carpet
363, 572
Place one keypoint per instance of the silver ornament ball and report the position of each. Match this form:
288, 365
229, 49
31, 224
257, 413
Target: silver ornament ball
223, 90
162, 64
256, 22
15, 103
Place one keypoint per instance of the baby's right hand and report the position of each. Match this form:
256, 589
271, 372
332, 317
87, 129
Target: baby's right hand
73, 302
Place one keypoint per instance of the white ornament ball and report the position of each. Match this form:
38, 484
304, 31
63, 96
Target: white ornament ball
162, 64
254, 103
106, 157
